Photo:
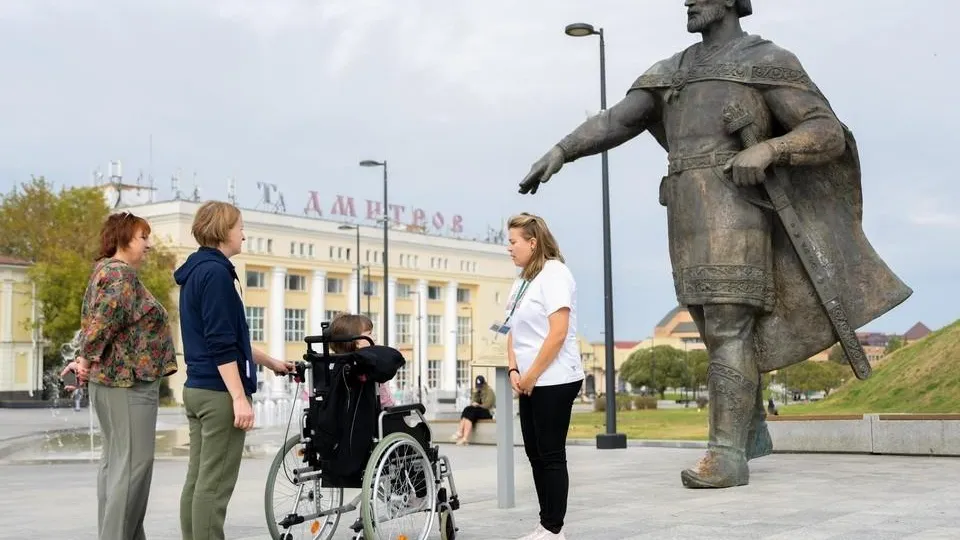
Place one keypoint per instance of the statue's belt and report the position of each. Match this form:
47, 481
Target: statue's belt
679, 164
719, 158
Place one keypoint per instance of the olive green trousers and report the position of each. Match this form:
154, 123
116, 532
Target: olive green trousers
216, 448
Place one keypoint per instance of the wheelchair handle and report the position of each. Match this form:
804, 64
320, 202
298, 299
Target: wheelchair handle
311, 340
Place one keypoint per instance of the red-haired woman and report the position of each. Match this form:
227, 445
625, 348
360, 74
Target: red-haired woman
125, 349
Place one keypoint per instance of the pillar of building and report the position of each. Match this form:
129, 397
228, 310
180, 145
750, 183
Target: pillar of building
278, 287
318, 291
448, 375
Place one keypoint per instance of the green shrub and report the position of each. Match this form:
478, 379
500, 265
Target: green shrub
644, 402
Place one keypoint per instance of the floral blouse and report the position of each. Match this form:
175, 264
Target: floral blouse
124, 331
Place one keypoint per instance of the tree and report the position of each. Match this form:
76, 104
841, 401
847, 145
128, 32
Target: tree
893, 344
659, 368
836, 355
699, 362
59, 232
809, 377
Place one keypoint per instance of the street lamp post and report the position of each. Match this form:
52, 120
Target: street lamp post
611, 439
346, 227
386, 248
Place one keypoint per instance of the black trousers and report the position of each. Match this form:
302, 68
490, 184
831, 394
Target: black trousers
473, 413
544, 422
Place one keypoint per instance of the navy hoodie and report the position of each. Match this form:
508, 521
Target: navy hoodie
213, 324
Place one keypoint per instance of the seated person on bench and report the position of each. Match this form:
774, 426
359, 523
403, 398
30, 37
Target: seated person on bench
482, 401
345, 325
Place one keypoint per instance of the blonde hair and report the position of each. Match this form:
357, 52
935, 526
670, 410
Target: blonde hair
213, 222
347, 325
545, 248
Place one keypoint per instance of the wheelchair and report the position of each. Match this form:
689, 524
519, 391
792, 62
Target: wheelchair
348, 441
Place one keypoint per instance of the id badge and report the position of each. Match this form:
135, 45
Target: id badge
500, 328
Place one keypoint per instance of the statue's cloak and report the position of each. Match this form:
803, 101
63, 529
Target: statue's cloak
827, 198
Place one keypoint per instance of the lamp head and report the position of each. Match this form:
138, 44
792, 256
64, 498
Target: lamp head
580, 30
347, 227
371, 163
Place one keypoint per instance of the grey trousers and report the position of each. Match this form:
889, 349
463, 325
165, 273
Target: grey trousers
128, 423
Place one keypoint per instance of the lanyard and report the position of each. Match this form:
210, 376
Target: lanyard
516, 301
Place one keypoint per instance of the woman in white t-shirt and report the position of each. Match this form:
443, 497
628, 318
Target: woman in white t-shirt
545, 366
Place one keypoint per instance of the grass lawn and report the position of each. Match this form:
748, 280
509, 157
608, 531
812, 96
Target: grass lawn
667, 424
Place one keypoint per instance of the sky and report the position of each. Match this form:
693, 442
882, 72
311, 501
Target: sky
461, 98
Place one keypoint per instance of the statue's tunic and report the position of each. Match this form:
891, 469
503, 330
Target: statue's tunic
726, 243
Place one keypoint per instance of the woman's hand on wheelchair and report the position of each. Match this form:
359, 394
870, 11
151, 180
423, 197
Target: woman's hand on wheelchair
280, 367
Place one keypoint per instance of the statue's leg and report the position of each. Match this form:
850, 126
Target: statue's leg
759, 442
732, 382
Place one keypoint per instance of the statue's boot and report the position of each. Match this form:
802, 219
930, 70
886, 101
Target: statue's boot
732, 380
759, 442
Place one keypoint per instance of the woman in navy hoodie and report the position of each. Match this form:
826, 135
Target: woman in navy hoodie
221, 376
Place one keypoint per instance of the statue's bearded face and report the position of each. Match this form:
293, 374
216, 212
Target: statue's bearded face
703, 13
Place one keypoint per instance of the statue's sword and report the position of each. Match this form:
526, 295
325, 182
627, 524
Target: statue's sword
740, 121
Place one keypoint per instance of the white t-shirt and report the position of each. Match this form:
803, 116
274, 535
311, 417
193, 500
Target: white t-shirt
552, 289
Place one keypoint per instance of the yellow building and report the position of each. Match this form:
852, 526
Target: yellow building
21, 353
443, 293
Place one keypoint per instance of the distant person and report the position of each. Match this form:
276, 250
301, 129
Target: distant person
125, 348
772, 408
544, 362
482, 401
346, 325
221, 376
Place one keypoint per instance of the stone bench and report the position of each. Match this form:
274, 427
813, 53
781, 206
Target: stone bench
898, 434
484, 432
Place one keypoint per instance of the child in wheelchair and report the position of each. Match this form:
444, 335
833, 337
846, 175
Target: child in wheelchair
344, 326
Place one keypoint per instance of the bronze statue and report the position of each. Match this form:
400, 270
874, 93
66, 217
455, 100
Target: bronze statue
764, 213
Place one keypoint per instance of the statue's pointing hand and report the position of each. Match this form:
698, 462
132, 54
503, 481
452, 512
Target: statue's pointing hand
542, 170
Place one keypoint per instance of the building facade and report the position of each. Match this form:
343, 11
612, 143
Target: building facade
296, 272
21, 352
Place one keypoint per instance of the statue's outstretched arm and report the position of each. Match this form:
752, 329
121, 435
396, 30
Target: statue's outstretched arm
606, 130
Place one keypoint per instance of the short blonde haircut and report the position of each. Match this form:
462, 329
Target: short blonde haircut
546, 247
213, 222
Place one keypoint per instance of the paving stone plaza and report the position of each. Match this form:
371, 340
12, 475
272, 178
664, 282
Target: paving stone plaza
622, 494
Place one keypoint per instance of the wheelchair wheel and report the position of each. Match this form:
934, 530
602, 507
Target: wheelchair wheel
399, 496
283, 498
448, 529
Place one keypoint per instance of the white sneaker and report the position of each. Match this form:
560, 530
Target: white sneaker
547, 535
537, 533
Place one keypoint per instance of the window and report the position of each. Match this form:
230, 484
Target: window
311, 251
464, 330
334, 285
434, 292
255, 322
329, 314
433, 374
294, 324
463, 295
401, 378
402, 331
370, 287
269, 245
296, 282
293, 248
434, 330
463, 374
256, 280
403, 290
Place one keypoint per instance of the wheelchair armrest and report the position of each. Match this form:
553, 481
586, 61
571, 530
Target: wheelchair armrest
400, 409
